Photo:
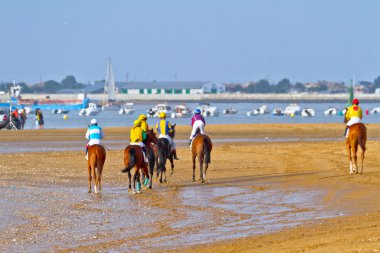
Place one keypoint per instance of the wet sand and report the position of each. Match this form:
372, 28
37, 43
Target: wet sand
287, 191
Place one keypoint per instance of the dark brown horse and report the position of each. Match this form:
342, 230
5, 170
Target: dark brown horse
134, 158
201, 147
357, 136
95, 163
164, 153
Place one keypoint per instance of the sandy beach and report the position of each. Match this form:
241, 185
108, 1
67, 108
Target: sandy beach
270, 188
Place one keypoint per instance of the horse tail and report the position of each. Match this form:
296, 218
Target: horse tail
132, 160
362, 134
206, 148
100, 159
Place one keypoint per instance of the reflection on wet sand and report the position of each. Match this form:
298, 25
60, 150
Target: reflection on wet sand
174, 215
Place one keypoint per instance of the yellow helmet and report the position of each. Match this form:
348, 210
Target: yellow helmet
142, 117
162, 115
136, 123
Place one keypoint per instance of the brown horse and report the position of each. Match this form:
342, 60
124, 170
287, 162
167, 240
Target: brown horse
134, 158
357, 136
201, 147
95, 163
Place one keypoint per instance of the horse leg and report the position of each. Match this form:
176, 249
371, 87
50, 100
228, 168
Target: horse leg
165, 174
93, 169
193, 158
171, 164
89, 177
201, 158
129, 179
355, 158
100, 171
205, 171
362, 157
348, 148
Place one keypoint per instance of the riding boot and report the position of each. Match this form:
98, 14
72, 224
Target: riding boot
86, 152
175, 154
145, 155
345, 131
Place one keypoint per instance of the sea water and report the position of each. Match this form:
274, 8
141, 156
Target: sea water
114, 119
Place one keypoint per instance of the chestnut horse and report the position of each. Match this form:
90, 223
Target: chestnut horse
357, 136
133, 157
95, 163
201, 147
164, 153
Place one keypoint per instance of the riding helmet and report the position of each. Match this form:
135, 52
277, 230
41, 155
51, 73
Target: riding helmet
94, 122
355, 101
136, 123
197, 111
142, 117
162, 115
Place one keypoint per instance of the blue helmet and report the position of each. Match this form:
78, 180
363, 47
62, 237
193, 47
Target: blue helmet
197, 111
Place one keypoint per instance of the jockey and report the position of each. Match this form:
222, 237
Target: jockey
163, 128
197, 122
353, 115
144, 124
94, 134
137, 137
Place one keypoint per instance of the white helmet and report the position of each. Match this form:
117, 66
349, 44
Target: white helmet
94, 122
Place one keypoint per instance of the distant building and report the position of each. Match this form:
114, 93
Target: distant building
196, 87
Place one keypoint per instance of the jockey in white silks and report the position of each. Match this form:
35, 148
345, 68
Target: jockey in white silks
353, 115
197, 122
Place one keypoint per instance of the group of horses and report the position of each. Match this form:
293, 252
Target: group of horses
158, 152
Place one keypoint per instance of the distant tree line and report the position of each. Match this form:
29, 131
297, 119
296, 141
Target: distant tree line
285, 86
261, 86
50, 86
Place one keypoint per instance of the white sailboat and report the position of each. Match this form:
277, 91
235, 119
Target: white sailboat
110, 90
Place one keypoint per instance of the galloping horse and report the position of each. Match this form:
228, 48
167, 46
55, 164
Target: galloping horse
133, 157
165, 153
357, 135
201, 147
96, 159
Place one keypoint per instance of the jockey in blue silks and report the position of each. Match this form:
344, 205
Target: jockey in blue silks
94, 134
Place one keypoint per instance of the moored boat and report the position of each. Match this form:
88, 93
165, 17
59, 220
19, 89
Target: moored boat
307, 112
292, 109
181, 111
127, 109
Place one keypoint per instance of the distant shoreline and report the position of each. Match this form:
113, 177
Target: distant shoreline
225, 97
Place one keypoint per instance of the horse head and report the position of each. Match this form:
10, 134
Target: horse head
172, 132
151, 137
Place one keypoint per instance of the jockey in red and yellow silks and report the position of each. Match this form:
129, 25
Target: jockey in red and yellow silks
354, 114
163, 128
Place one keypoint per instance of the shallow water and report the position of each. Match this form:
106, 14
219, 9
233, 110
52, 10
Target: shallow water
57, 217
49, 146
113, 119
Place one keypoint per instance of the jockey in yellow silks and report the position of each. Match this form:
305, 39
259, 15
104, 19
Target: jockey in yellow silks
144, 124
163, 128
137, 137
353, 115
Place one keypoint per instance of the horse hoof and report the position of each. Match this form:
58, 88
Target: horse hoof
89, 191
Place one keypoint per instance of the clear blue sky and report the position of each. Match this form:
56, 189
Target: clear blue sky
208, 40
